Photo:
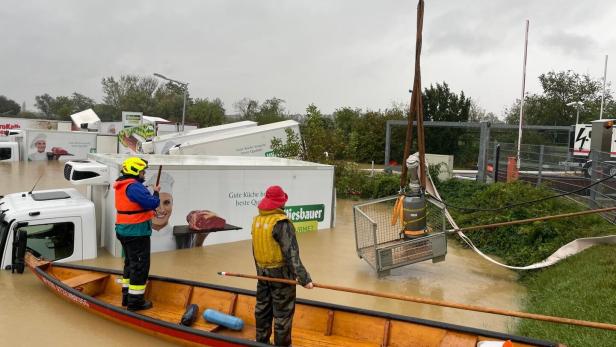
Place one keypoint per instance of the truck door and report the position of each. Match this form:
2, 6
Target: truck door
57, 239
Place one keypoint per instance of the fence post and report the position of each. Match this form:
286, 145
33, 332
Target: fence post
541, 149
594, 177
496, 161
483, 151
388, 145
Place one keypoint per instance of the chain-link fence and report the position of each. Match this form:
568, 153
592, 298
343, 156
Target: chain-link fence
382, 244
558, 168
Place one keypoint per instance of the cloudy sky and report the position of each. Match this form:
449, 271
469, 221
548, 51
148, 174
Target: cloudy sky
332, 53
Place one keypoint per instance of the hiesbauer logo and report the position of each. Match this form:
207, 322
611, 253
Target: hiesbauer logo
305, 213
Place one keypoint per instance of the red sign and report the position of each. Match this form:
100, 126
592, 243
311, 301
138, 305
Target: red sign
9, 126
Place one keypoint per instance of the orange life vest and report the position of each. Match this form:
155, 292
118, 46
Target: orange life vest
128, 212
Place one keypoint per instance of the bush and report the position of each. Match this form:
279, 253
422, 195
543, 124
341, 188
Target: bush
351, 182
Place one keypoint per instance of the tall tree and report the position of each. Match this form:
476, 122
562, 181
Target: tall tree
8, 106
131, 93
247, 108
61, 107
271, 111
558, 89
344, 118
441, 104
169, 102
81, 102
479, 114
322, 142
207, 113
44, 104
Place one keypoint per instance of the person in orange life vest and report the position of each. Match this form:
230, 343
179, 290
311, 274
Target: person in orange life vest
276, 254
135, 210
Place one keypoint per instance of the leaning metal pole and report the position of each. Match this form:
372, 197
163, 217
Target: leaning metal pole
416, 108
522, 97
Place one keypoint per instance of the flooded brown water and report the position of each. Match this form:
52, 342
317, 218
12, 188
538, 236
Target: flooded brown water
32, 315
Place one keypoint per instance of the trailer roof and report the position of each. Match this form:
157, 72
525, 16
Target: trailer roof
211, 161
214, 128
241, 132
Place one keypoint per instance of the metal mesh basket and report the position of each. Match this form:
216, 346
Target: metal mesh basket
380, 243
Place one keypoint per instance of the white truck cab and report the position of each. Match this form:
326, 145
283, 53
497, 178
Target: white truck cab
9, 145
60, 225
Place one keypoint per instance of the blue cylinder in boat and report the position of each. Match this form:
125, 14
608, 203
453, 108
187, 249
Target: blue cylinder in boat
225, 320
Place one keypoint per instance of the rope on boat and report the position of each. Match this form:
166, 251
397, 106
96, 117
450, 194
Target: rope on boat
518, 314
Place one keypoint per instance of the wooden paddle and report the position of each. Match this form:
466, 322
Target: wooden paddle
553, 319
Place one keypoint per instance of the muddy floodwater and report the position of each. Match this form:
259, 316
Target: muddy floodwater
32, 315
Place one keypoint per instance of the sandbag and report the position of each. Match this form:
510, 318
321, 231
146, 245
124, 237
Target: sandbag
190, 316
204, 220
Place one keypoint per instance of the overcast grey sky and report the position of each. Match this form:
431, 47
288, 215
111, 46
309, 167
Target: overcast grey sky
331, 53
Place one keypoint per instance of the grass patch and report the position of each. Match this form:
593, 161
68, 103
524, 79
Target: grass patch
579, 287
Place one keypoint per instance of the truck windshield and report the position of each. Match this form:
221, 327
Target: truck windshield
5, 153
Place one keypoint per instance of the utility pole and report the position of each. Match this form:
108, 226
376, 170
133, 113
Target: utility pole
184, 86
603, 94
523, 90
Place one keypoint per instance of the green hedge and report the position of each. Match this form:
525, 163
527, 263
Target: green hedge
353, 183
526, 243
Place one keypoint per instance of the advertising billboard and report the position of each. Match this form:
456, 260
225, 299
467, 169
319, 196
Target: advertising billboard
234, 195
58, 145
130, 139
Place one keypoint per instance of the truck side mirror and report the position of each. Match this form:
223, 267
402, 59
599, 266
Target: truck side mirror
19, 250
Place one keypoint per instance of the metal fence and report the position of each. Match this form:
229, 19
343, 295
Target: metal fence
381, 244
557, 168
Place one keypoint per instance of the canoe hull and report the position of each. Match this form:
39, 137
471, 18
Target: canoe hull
392, 329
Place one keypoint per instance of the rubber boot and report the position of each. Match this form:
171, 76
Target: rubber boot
124, 296
137, 302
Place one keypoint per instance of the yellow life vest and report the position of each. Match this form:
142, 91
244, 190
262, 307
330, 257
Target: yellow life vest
266, 250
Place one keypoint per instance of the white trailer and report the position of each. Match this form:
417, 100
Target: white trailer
35, 144
254, 141
231, 187
161, 144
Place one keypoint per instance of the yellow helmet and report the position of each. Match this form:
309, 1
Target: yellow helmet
133, 166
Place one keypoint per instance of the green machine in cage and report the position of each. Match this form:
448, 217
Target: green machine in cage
385, 247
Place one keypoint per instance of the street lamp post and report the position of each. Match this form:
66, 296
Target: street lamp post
184, 86
577, 104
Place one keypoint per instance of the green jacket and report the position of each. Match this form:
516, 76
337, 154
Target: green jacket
140, 229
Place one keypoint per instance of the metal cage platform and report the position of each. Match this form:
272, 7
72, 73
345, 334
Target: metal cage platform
380, 243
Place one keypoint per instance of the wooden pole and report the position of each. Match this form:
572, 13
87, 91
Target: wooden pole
530, 220
421, 144
589, 324
416, 107
160, 170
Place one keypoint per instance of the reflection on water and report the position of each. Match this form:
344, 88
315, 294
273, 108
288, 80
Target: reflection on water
330, 257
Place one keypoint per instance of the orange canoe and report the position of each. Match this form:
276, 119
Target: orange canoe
314, 324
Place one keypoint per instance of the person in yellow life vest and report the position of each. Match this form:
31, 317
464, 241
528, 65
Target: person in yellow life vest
135, 209
276, 254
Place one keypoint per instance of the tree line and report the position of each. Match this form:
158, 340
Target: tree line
348, 133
